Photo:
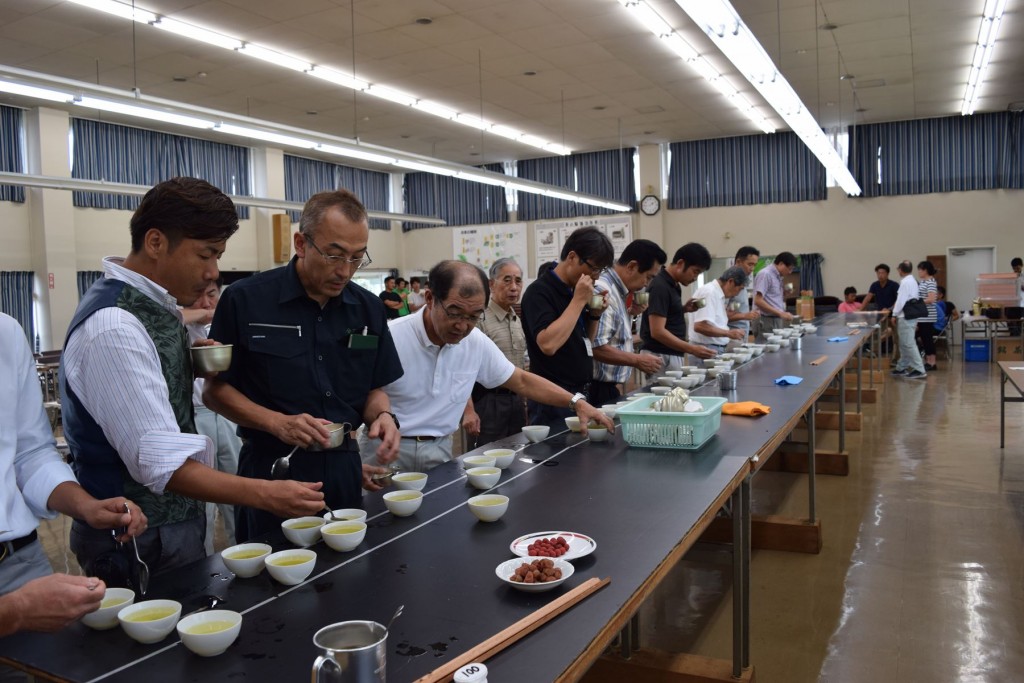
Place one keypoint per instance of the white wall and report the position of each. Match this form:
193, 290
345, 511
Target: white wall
856, 234
16, 253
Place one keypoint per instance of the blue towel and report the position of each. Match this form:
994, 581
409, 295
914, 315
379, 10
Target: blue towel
788, 379
838, 339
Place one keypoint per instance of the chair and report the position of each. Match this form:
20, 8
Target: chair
946, 337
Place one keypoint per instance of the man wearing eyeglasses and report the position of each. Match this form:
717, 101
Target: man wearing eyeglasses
311, 348
556, 320
444, 354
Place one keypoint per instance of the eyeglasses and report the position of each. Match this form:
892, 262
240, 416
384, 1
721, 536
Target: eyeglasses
456, 316
335, 259
595, 272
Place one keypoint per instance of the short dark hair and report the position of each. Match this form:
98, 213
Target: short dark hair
590, 245
545, 267
320, 203
786, 258
184, 208
645, 252
389, 277
941, 290
402, 280
849, 290
927, 267
443, 276
693, 254
1017, 261
743, 252
883, 266
414, 280
905, 267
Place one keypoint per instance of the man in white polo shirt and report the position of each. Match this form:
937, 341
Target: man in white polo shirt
443, 354
710, 324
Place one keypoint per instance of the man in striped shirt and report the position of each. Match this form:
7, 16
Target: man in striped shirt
614, 358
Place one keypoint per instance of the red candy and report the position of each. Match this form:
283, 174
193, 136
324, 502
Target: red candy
548, 547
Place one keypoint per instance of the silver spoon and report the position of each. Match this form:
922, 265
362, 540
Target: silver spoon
143, 567
398, 613
279, 470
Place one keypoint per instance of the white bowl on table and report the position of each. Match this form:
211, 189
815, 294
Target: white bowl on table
771, 348
661, 391
149, 621
610, 410
665, 381
209, 634
302, 531
597, 434
343, 536
488, 507
536, 433
506, 569
674, 373
688, 382
346, 515
503, 457
246, 560
709, 362
477, 461
403, 503
483, 478
786, 342
409, 481
291, 567
573, 423
114, 600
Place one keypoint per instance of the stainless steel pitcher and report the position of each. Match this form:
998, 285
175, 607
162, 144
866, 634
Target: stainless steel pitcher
351, 652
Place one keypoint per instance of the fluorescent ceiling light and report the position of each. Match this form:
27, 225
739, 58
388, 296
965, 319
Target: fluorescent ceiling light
180, 28
265, 135
506, 131
988, 33
657, 25
31, 84
142, 112
202, 34
32, 91
338, 78
274, 57
118, 9
730, 34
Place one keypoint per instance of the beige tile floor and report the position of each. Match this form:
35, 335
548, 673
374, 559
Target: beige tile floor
921, 577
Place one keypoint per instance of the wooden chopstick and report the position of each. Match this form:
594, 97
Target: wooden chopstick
819, 360
516, 631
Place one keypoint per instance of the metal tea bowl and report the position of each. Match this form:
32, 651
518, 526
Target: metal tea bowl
336, 433
207, 359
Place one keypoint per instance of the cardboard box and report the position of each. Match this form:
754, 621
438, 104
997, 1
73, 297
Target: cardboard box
1010, 348
805, 308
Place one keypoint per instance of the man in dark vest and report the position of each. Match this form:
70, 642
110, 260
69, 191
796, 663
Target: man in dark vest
126, 384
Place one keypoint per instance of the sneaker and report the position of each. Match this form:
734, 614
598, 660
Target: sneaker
929, 367
896, 372
914, 374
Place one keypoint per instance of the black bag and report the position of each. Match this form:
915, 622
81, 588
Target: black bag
914, 309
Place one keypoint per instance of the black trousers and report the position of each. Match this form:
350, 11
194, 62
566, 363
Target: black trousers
340, 470
603, 392
501, 414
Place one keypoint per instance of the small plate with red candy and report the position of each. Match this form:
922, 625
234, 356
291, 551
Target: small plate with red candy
562, 545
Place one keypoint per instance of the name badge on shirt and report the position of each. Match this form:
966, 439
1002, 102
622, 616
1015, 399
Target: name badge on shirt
590, 347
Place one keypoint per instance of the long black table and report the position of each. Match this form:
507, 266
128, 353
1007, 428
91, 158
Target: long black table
1009, 371
644, 508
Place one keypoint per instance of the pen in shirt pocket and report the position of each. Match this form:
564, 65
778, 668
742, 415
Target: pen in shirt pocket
297, 328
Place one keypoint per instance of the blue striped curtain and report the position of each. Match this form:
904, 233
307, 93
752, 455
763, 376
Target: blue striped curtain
304, 177
739, 171
458, 202
85, 280
949, 154
11, 158
16, 300
810, 273
606, 174
559, 171
122, 154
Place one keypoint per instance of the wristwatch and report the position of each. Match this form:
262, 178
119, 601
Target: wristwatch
576, 398
394, 417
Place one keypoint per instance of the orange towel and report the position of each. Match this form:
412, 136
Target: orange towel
746, 409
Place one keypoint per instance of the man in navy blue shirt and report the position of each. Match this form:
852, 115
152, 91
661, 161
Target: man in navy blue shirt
883, 291
310, 348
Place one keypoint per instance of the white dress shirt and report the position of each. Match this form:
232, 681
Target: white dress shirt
431, 395
112, 365
714, 312
906, 292
30, 466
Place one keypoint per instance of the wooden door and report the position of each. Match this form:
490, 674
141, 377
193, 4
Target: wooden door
940, 267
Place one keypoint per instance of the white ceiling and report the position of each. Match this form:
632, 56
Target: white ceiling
601, 79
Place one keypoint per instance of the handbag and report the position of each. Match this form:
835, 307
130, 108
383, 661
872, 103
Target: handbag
914, 309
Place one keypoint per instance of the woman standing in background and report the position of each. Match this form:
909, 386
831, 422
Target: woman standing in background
927, 291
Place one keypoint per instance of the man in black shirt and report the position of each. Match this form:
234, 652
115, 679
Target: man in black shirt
311, 347
392, 300
883, 292
555, 318
663, 328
